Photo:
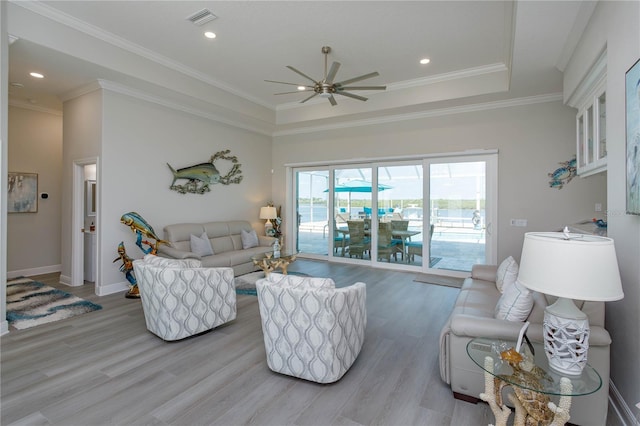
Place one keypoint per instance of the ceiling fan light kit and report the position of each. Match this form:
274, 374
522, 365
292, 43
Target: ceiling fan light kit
326, 88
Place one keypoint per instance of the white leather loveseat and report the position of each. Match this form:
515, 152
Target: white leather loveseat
473, 316
226, 242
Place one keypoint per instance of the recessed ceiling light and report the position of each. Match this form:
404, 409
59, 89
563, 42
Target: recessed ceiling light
36, 75
210, 34
15, 84
425, 61
301, 88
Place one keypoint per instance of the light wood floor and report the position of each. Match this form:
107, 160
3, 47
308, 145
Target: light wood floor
105, 368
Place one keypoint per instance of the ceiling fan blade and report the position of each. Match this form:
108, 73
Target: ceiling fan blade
290, 84
332, 100
286, 93
362, 88
351, 95
362, 77
306, 99
301, 73
332, 72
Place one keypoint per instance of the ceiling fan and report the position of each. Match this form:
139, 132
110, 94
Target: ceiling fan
326, 88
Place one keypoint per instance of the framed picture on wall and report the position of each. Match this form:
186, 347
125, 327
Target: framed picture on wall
22, 193
632, 94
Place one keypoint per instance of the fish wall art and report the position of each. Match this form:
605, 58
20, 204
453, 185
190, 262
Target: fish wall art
200, 176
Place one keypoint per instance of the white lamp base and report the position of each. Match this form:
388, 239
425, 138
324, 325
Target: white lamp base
566, 337
268, 228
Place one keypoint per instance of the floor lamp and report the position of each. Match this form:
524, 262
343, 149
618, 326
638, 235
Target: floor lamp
571, 267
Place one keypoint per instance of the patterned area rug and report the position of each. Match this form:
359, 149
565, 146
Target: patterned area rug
246, 284
31, 303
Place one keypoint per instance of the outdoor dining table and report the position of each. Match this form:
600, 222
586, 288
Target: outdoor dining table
400, 235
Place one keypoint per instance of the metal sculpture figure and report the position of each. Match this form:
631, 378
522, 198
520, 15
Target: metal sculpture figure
141, 227
127, 268
207, 174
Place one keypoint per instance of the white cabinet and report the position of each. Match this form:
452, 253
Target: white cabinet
591, 122
592, 133
90, 256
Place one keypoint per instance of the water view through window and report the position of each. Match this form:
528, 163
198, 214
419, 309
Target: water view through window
342, 213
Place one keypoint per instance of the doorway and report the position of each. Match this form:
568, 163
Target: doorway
84, 222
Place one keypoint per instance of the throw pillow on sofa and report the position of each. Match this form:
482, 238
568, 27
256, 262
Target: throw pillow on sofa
507, 274
515, 304
249, 239
201, 245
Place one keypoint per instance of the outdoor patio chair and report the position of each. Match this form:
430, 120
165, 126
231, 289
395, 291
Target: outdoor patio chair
386, 246
341, 239
359, 243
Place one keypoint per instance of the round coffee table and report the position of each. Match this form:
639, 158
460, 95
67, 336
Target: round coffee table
268, 263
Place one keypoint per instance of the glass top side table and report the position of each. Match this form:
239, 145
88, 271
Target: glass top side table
532, 388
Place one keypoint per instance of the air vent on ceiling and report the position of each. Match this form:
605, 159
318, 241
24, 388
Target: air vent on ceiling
202, 17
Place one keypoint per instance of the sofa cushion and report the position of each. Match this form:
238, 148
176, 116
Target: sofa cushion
507, 273
249, 239
201, 245
515, 303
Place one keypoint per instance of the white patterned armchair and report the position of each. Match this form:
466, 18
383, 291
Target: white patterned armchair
311, 329
180, 298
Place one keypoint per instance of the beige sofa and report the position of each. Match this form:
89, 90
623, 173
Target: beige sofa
226, 242
473, 316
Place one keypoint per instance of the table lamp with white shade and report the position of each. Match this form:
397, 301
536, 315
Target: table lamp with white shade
269, 213
571, 267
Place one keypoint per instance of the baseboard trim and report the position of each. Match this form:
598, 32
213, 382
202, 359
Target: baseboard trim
112, 288
620, 407
34, 271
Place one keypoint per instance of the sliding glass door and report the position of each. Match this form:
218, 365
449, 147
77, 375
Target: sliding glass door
422, 215
459, 214
311, 211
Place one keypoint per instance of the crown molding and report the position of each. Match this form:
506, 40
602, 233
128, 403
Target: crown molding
508, 103
110, 38
81, 90
418, 82
596, 74
158, 100
32, 107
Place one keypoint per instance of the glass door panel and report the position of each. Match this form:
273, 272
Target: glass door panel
352, 195
312, 187
602, 126
457, 214
399, 212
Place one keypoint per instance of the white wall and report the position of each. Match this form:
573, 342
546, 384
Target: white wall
138, 140
82, 121
35, 146
531, 140
615, 25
